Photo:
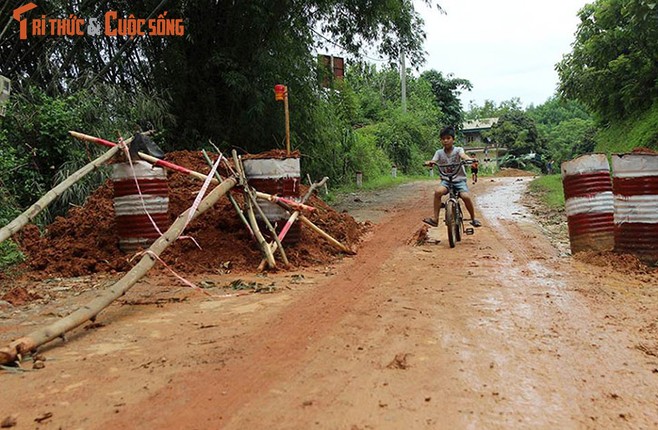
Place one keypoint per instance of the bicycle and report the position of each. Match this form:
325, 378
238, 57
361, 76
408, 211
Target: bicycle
454, 216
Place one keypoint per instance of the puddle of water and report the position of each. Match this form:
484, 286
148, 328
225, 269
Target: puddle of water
504, 202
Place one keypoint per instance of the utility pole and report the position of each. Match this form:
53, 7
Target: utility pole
403, 80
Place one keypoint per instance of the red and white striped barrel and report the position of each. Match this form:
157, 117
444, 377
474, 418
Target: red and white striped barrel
635, 187
589, 203
134, 227
280, 177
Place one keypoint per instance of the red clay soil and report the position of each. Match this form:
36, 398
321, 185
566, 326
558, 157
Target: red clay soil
85, 241
644, 150
510, 172
19, 296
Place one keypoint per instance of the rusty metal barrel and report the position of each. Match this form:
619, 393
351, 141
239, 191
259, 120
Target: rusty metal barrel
635, 188
589, 203
280, 177
134, 226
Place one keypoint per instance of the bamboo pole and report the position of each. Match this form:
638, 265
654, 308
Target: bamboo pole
324, 234
201, 176
41, 336
262, 243
19, 222
252, 196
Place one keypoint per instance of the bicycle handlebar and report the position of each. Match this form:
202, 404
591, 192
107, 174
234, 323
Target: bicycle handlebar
453, 166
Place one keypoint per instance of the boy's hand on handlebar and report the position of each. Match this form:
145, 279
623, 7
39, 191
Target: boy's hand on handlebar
429, 163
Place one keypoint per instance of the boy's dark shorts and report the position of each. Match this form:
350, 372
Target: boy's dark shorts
475, 171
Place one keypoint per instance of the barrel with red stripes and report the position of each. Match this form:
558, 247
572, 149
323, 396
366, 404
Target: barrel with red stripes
280, 177
135, 214
589, 203
635, 187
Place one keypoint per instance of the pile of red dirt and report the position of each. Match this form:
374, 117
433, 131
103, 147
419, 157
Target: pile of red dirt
85, 241
509, 172
620, 262
19, 296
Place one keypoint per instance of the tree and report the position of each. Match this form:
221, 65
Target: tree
218, 77
612, 68
518, 132
446, 92
490, 110
566, 126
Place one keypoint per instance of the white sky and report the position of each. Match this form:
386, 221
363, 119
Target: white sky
505, 48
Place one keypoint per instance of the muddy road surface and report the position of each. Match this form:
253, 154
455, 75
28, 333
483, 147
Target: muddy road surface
507, 330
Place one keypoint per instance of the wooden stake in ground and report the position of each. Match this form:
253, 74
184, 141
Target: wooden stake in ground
17, 224
39, 337
262, 243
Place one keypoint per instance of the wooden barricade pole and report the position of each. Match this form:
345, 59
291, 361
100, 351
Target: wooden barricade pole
41, 336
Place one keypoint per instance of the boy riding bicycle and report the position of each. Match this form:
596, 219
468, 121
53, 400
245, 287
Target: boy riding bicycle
451, 154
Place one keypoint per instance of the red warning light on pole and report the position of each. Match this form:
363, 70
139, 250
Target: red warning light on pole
280, 92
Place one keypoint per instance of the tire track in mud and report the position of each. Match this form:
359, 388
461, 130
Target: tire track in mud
537, 300
495, 333
272, 353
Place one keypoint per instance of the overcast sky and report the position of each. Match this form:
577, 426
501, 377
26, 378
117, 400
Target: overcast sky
506, 48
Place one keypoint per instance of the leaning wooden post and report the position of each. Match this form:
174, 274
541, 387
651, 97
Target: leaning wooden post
267, 252
252, 196
326, 235
39, 337
34, 210
201, 176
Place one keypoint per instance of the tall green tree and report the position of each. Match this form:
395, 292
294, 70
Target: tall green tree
219, 76
566, 126
446, 92
490, 109
518, 132
612, 68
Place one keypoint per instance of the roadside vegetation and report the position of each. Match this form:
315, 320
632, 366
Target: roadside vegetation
549, 191
217, 86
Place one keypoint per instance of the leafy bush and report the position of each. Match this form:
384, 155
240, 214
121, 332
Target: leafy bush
36, 151
10, 254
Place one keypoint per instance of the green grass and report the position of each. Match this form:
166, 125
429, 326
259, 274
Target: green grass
639, 131
549, 190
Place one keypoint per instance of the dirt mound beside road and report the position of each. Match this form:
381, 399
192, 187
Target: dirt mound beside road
509, 172
85, 241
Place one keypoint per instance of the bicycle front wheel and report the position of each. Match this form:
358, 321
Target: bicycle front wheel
459, 217
451, 222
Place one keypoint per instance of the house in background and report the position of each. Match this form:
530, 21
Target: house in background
473, 130
332, 68
479, 146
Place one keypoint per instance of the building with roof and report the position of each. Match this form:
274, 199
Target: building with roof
473, 130
476, 144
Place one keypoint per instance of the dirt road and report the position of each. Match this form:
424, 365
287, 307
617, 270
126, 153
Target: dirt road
504, 331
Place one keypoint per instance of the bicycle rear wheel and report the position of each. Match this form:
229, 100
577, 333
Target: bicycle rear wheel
459, 216
451, 222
